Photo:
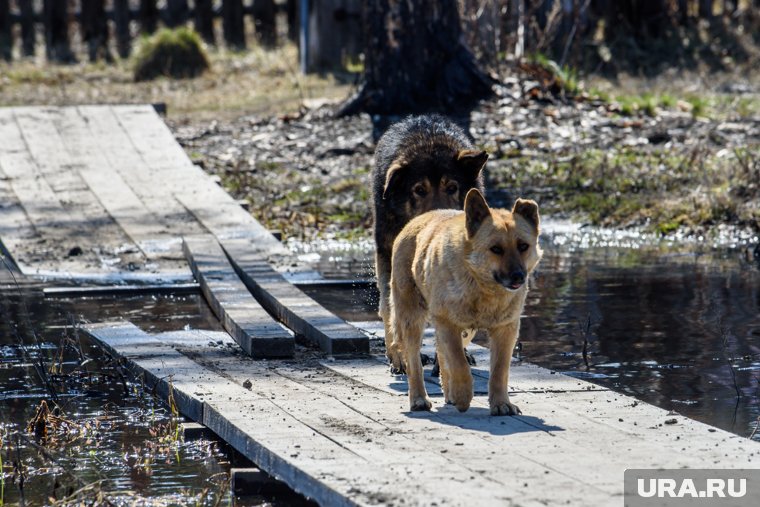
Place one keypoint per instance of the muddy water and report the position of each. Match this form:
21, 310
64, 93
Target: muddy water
113, 438
673, 323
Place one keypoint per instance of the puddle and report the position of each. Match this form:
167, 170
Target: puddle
114, 442
673, 323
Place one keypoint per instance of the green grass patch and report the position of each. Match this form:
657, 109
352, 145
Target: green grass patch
176, 53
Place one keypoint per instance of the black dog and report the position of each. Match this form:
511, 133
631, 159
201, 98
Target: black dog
421, 163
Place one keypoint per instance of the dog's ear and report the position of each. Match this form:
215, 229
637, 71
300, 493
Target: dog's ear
394, 171
475, 211
528, 209
472, 161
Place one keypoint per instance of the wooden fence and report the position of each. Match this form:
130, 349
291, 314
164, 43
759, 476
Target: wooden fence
98, 19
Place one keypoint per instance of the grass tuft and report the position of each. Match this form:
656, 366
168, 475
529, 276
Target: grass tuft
176, 53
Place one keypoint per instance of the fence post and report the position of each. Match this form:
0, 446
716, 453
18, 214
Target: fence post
94, 28
56, 20
232, 22
6, 41
291, 8
204, 20
176, 12
148, 16
121, 22
264, 18
26, 10
706, 9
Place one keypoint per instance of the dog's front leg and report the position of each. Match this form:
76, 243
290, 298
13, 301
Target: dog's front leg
456, 377
503, 339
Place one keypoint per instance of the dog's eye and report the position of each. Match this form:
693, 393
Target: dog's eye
452, 188
497, 250
522, 247
420, 190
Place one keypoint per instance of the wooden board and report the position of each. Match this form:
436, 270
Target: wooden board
291, 305
242, 316
308, 460
568, 448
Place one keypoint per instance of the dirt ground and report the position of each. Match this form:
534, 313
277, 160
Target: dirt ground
675, 154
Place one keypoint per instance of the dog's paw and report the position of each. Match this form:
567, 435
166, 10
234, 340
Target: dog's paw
420, 404
396, 361
460, 395
505, 408
398, 369
470, 358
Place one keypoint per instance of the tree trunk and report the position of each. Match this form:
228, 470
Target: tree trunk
415, 60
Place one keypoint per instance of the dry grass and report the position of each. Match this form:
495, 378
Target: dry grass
257, 81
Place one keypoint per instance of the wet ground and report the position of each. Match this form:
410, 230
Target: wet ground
673, 323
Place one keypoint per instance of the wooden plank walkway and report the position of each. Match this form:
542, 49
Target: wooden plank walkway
105, 193
248, 323
345, 438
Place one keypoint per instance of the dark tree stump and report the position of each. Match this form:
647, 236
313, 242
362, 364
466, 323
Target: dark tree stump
121, 20
94, 26
232, 22
6, 40
264, 19
415, 61
148, 16
204, 20
26, 9
56, 20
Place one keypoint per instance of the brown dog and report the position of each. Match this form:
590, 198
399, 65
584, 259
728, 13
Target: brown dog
465, 271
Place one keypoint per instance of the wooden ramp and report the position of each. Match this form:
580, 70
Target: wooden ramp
340, 433
105, 194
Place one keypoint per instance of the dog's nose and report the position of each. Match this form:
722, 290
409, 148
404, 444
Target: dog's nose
517, 278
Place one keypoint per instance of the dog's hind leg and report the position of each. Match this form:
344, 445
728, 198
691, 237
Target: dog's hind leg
456, 377
383, 273
411, 331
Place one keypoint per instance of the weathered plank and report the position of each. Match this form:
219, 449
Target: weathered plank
201, 196
152, 190
291, 305
410, 456
461, 456
85, 147
257, 333
309, 461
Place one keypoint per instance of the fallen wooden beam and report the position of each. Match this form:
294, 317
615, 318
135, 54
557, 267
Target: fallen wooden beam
291, 305
257, 333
